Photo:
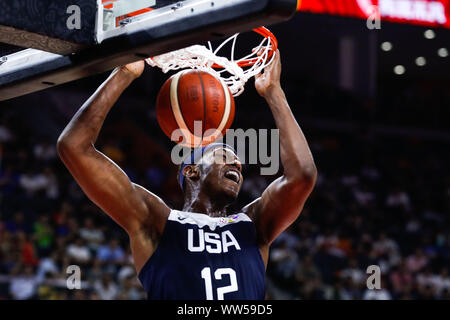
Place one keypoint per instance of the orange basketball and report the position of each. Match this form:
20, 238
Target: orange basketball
197, 105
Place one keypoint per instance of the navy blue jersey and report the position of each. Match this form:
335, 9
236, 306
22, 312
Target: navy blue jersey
204, 258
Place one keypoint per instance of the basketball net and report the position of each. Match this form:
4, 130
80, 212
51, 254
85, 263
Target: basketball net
234, 73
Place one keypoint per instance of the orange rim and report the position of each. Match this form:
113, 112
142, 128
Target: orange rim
250, 62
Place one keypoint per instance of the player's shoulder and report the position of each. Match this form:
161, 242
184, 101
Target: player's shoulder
251, 209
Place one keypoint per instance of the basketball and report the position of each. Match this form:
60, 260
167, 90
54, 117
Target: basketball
194, 108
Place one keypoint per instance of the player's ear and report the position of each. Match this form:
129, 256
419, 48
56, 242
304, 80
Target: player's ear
191, 172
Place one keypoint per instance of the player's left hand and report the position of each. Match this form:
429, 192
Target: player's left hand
134, 69
268, 80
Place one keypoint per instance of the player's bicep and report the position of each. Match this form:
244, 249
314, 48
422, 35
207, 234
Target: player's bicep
107, 186
279, 206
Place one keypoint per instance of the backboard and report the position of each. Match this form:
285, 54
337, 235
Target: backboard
47, 43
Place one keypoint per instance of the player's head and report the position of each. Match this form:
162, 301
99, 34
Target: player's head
214, 170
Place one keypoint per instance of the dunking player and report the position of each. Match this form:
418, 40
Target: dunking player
200, 252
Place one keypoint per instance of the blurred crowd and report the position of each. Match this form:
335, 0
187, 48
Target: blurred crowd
379, 201
388, 209
47, 225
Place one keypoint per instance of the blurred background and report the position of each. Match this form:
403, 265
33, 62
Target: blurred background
374, 105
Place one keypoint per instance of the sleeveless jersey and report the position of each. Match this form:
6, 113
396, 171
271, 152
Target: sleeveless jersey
204, 258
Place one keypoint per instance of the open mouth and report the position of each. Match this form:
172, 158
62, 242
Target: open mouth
233, 175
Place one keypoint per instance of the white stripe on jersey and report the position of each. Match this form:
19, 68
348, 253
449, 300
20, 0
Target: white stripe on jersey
202, 220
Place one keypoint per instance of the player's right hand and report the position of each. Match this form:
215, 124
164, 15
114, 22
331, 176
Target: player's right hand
268, 80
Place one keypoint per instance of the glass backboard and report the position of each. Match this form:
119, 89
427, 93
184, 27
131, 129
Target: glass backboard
86, 37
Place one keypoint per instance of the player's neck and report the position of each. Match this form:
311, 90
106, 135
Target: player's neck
204, 204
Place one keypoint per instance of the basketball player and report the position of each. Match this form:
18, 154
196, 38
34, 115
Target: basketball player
200, 252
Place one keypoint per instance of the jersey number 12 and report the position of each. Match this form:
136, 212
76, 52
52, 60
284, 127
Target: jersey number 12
206, 275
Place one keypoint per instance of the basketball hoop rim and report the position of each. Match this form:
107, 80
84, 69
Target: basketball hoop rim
233, 72
266, 33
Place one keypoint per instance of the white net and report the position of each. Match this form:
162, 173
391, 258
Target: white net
206, 59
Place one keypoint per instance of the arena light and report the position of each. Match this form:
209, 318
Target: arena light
421, 61
386, 46
443, 52
430, 34
399, 70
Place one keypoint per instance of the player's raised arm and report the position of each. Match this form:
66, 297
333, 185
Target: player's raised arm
281, 203
130, 205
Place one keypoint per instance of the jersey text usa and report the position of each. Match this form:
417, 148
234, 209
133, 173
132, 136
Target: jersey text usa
211, 242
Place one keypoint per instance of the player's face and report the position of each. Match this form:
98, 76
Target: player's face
221, 173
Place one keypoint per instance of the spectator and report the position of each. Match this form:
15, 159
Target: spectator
27, 249
401, 279
426, 278
92, 235
126, 271
363, 196
9, 181
79, 252
44, 151
441, 282
354, 273
385, 245
105, 288
286, 260
95, 272
43, 235
416, 261
381, 294
312, 290
18, 224
79, 295
5, 133
61, 225
23, 286
427, 292
111, 253
306, 270
47, 265
33, 182
51, 187
129, 289
398, 199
